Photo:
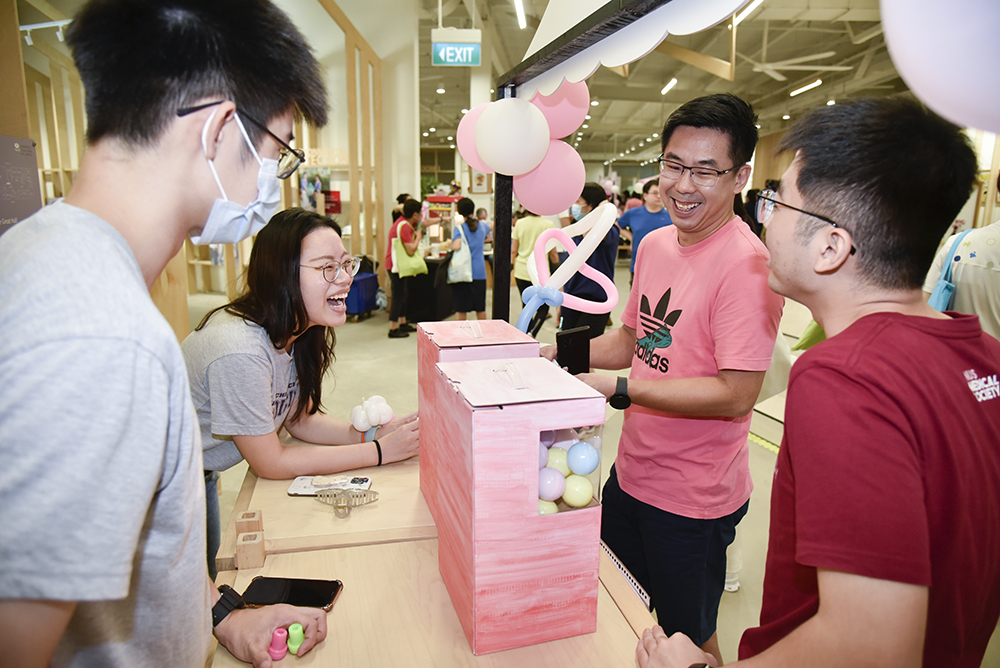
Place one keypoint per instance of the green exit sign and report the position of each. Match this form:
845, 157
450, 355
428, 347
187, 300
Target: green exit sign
457, 54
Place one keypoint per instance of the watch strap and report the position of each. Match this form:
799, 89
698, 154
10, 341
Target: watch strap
229, 600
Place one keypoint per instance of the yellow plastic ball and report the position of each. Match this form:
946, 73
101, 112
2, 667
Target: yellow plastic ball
547, 507
579, 491
557, 460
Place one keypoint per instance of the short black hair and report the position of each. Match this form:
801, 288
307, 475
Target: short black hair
648, 185
466, 206
593, 194
723, 112
411, 207
891, 172
402, 198
142, 60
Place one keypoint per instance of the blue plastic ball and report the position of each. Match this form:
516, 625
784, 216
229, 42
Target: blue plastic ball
583, 458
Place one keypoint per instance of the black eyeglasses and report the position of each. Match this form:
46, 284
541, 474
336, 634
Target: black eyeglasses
766, 204
701, 176
289, 158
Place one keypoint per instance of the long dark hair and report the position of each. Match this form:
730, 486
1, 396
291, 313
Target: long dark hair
273, 300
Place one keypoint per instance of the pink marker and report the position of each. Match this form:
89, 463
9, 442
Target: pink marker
279, 644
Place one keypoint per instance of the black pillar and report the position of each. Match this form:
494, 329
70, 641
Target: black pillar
501, 237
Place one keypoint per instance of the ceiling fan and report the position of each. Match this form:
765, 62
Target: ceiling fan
773, 70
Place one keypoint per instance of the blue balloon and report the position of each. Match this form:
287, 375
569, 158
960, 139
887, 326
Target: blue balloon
583, 458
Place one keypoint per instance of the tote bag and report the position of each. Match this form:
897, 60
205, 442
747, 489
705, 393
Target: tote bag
943, 297
460, 267
403, 263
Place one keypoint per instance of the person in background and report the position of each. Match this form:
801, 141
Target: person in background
398, 209
743, 212
698, 332
637, 222
190, 107
468, 297
482, 215
257, 364
407, 228
522, 246
602, 259
881, 555
975, 272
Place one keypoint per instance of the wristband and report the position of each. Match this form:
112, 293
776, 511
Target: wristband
379, 448
229, 600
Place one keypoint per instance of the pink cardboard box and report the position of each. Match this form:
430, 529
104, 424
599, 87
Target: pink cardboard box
515, 577
456, 341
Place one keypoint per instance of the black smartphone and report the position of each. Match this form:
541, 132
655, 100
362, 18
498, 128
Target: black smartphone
573, 349
294, 591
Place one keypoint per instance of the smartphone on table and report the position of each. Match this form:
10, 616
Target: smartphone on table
293, 591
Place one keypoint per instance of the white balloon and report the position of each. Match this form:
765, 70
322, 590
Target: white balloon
952, 78
512, 136
604, 217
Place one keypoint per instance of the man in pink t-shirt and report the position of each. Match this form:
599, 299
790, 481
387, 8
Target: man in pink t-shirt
698, 332
884, 542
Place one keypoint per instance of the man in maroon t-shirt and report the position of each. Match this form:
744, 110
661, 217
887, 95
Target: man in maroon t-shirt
885, 512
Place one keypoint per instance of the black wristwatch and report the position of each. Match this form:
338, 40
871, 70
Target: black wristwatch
699, 665
228, 602
620, 399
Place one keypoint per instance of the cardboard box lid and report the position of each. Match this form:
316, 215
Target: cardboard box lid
516, 381
459, 334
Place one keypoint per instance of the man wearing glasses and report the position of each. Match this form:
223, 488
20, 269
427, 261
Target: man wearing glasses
698, 332
102, 508
885, 509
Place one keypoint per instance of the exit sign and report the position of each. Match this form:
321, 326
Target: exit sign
454, 47
461, 55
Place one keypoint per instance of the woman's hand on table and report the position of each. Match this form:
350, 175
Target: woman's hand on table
247, 633
400, 439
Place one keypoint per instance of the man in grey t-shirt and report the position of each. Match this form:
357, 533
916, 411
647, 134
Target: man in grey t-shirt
102, 507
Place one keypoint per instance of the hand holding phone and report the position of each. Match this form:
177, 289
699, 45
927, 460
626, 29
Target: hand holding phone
293, 591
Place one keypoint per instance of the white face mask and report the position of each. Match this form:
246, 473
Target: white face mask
228, 222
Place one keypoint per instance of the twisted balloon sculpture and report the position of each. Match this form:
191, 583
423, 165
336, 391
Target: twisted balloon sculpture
546, 289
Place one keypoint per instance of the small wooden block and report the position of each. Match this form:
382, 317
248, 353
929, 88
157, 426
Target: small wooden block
250, 550
249, 520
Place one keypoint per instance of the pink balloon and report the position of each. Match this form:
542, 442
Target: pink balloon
467, 139
565, 109
555, 184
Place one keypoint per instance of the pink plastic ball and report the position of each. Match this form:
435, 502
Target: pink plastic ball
551, 484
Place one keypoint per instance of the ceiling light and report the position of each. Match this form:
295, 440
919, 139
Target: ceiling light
432, 129
519, 8
785, 117
465, 111
492, 91
670, 84
440, 91
452, 146
587, 117
450, 137
585, 126
805, 88
425, 134
621, 155
655, 134
746, 12
642, 143
594, 103
831, 103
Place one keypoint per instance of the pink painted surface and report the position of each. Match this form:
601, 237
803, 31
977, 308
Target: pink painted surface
454, 341
515, 577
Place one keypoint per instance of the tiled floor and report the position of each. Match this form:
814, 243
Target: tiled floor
368, 363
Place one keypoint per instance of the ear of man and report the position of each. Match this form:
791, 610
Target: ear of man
224, 113
833, 247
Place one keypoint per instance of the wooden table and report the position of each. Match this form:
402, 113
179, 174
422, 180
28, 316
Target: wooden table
395, 611
301, 523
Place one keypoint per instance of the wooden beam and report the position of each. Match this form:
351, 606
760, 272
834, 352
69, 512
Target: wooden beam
710, 64
49, 10
55, 55
14, 111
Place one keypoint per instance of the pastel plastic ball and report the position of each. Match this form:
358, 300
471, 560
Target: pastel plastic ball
543, 455
565, 444
579, 491
551, 484
583, 458
547, 438
557, 460
512, 136
547, 507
